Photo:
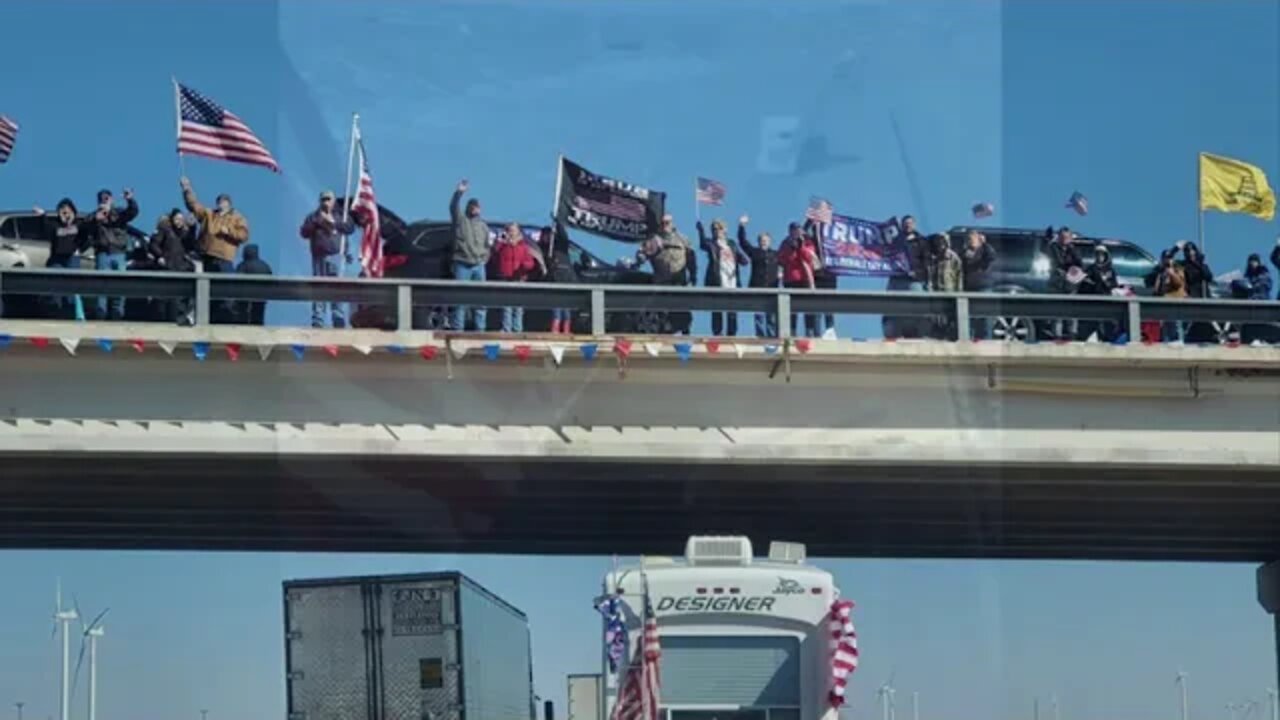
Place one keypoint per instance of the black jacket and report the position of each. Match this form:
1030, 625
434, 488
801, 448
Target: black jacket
917, 255
174, 246
1100, 279
253, 264
111, 234
1199, 276
764, 263
977, 267
1275, 256
708, 243
1062, 257
65, 240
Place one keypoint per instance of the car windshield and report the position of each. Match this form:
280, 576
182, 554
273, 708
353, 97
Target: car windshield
818, 407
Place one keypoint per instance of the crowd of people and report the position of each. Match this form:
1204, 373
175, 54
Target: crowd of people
216, 240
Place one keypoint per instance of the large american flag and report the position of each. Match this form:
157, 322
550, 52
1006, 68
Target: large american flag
1079, 203
8, 136
207, 129
640, 697
844, 649
819, 210
366, 209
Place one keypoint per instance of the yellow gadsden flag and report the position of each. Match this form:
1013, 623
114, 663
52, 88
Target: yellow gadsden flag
1233, 186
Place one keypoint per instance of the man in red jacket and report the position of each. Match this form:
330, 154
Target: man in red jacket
513, 261
797, 258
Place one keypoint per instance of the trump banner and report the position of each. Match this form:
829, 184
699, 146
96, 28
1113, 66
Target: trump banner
605, 206
852, 246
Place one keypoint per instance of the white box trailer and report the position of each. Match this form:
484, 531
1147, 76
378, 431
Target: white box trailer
742, 638
586, 697
433, 646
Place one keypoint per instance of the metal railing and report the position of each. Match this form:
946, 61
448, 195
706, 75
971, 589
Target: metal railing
206, 289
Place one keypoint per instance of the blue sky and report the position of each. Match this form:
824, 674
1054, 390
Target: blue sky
1015, 103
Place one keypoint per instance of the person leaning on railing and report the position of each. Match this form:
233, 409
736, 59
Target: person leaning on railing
1167, 280
222, 231
977, 260
723, 260
798, 258
65, 233
172, 244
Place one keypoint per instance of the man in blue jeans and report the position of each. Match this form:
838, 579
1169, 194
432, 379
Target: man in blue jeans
107, 230
325, 230
470, 252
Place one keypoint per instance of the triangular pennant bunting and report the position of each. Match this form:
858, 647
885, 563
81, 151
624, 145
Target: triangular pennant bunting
70, 344
713, 346
200, 350
523, 352
589, 351
395, 349
622, 348
458, 350
491, 351
804, 345
428, 352
105, 344
264, 351
557, 352
233, 351
5, 341
138, 344
739, 350
683, 351
363, 349
40, 342
653, 349
331, 350
299, 351
167, 347
770, 349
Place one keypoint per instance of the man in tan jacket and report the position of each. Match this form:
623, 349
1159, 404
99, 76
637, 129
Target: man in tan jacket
222, 230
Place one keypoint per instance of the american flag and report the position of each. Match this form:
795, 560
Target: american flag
639, 698
984, 210
615, 630
844, 649
1079, 203
710, 192
8, 136
819, 211
365, 208
207, 129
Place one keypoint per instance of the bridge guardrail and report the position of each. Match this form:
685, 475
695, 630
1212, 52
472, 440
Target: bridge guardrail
598, 300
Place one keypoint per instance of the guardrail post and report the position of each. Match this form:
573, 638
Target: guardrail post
962, 320
404, 307
597, 311
784, 315
1135, 320
203, 311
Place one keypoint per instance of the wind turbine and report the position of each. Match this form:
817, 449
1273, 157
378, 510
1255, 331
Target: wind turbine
915, 705
887, 709
1181, 681
1275, 705
61, 620
1053, 703
92, 632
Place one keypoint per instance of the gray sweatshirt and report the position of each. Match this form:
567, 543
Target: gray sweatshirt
470, 235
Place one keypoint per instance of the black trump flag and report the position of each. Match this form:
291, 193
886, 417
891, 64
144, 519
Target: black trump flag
605, 206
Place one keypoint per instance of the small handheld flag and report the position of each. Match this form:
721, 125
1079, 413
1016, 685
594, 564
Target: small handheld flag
8, 138
984, 210
1079, 203
819, 211
710, 192
207, 129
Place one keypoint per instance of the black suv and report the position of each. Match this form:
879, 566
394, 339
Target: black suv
423, 250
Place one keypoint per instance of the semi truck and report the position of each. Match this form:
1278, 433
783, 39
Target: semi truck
742, 638
433, 646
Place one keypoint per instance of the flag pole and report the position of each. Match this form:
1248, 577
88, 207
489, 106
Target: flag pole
555, 231
177, 131
346, 193
1199, 204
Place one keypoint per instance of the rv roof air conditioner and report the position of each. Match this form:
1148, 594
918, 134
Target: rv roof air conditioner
718, 550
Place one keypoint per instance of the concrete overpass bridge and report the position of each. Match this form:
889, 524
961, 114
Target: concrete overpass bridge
411, 440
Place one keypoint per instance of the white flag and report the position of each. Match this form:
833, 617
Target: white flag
362, 349
70, 344
168, 347
653, 349
264, 351
557, 352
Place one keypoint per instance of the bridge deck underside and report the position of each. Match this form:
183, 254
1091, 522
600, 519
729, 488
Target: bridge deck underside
273, 502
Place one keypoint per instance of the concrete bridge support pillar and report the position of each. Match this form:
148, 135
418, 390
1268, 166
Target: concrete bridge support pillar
1269, 597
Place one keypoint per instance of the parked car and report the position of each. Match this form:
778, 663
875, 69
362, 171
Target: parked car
423, 250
